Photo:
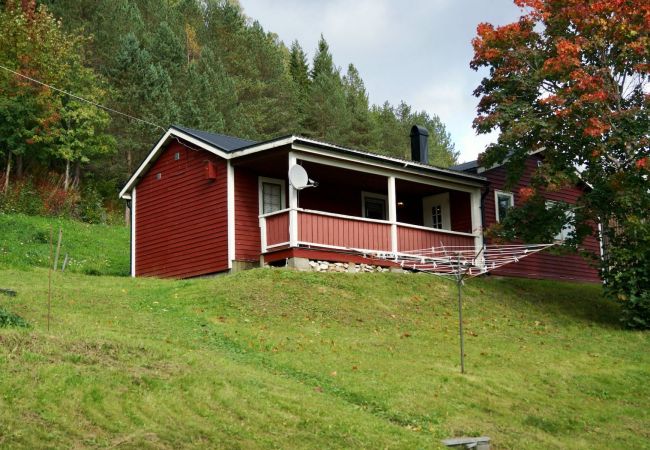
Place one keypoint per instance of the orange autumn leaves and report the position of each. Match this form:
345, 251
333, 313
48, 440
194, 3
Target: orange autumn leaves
576, 51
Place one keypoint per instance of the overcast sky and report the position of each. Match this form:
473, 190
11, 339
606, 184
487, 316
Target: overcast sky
412, 50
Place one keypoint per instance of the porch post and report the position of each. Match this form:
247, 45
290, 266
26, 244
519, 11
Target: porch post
392, 214
293, 205
477, 230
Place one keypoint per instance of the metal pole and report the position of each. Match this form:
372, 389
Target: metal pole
49, 285
459, 282
460, 327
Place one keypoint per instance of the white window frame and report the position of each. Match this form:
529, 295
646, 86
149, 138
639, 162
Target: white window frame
365, 194
568, 227
496, 202
260, 191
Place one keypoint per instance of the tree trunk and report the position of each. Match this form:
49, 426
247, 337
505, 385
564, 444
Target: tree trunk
19, 166
128, 161
77, 174
66, 181
7, 172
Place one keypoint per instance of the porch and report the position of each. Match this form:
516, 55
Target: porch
358, 210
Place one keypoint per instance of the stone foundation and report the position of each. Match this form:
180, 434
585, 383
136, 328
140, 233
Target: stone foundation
325, 266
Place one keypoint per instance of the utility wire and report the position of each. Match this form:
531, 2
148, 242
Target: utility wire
97, 105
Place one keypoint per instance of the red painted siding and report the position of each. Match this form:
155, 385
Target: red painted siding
544, 264
342, 232
181, 219
417, 239
247, 230
277, 229
460, 211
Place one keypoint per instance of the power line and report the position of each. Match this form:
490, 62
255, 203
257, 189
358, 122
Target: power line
97, 105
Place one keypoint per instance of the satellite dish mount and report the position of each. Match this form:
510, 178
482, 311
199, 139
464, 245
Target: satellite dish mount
299, 179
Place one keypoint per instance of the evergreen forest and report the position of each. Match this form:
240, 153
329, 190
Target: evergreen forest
202, 64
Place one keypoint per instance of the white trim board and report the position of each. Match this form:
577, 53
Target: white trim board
230, 195
133, 199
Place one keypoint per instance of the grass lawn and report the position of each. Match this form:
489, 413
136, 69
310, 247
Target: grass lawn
91, 249
271, 358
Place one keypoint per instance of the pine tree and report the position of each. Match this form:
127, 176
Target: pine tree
360, 131
299, 70
326, 113
143, 91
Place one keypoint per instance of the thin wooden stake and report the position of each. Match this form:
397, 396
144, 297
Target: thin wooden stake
58, 249
65, 263
49, 284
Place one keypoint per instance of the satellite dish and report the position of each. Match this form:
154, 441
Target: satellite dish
299, 179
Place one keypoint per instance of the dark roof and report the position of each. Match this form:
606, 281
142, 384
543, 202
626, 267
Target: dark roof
221, 141
468, 166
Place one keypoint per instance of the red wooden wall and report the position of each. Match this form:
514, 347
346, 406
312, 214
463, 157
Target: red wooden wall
247, 229
460, 211
181, 219
544, 264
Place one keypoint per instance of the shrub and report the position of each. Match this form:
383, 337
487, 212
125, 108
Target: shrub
90, 207
8, 319
627, 272
48, 198
22, 197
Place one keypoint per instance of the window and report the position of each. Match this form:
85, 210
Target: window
436, 217
504, 201
374, 205
569, 225
271, 195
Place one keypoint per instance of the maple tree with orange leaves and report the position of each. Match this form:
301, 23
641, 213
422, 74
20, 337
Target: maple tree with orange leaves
572, 77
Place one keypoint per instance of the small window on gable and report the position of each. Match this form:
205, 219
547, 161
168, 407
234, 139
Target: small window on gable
503, 202
177, 156
374, 205
272, 195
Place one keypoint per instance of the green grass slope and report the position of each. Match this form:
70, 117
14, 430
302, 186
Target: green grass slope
273, 358
91, 249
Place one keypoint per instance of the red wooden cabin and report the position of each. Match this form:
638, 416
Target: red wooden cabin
204, 203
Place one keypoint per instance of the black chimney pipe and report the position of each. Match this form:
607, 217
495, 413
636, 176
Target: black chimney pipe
419, 145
